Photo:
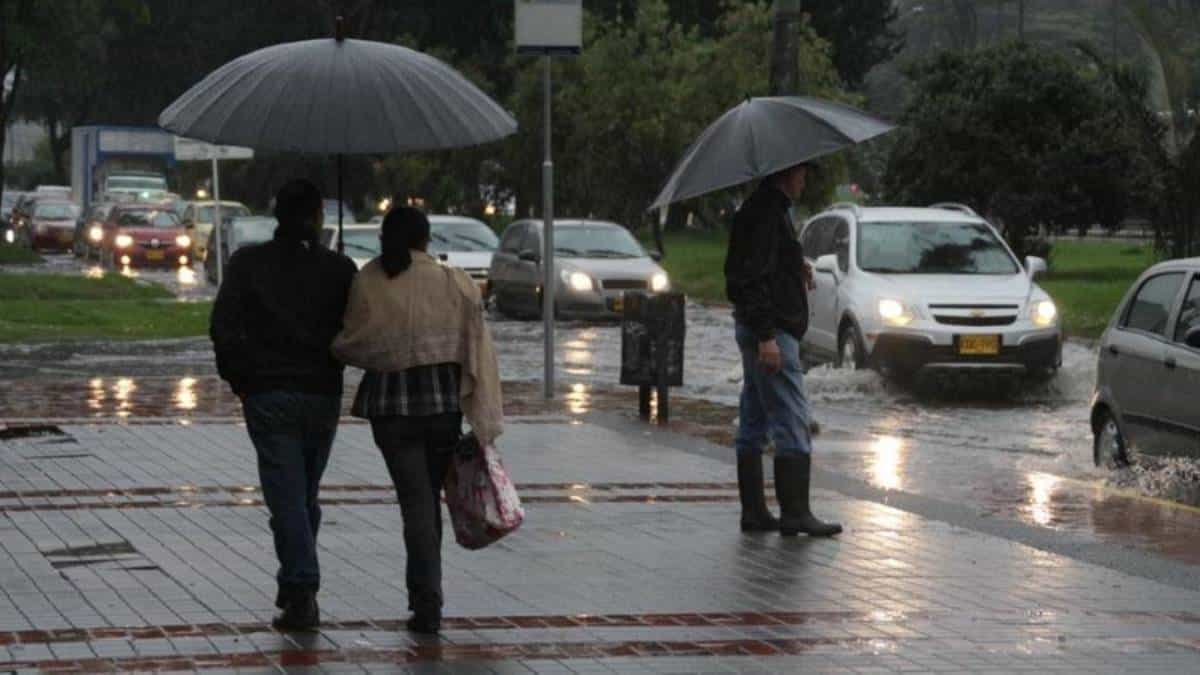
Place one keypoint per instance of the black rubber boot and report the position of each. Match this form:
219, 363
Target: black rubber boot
300, 611
756, 517
792, 477
425, 624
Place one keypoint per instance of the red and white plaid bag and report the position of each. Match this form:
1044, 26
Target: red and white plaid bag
484, 505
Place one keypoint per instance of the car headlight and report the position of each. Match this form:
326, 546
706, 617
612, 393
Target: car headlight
183, 241
123, 241
894, 312
1043, 313
578, 281
659, 282
10, 236
96, 233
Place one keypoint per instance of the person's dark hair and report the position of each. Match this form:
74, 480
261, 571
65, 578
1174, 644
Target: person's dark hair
295, 204
404, 229
813, 170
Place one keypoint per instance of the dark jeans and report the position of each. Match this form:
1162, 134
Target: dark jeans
417, 452
293, 433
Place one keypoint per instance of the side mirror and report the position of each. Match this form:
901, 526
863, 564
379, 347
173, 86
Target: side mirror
656, 256
826, 264
530, 255
1193, 337
1035, 266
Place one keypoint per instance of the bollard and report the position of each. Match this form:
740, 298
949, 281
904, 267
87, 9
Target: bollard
653, 331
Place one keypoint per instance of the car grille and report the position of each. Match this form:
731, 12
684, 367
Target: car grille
974, 307
625, 284
975, 320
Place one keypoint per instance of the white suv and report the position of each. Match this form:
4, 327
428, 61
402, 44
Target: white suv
914, 291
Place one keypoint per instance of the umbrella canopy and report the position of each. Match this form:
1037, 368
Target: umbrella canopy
764, 135
338, 97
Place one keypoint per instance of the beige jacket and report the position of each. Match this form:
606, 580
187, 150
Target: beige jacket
427, 315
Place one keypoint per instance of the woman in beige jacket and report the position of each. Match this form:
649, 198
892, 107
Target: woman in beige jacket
417, 327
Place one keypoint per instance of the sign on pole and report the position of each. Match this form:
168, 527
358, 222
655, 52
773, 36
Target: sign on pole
191, 150
549, 27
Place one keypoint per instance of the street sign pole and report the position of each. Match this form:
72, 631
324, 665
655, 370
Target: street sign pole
549, 281
216, 181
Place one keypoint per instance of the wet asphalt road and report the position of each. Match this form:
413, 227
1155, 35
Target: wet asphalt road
1020, 463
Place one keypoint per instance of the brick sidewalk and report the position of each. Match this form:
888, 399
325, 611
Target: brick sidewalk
146, 547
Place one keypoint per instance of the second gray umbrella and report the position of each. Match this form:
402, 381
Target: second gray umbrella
764, 135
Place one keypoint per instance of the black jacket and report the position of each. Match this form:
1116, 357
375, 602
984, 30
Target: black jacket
764, 267
278, 310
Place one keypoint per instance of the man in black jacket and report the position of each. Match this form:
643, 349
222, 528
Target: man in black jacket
767, 280
274, 320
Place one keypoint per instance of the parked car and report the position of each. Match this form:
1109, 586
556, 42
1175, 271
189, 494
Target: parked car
52, 225
21, 217
8, 200
198, 217
362, 241
465, 243
144, 235
331, 213
236, 234
595, 262
925, 291
89, 232
1148, 377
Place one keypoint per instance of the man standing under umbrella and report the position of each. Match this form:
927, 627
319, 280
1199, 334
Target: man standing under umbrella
767, 280
275, 318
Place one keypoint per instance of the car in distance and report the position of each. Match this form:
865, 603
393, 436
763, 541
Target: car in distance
925, 292
465, 243
362, 241
144, 235
1148, 377
236, 234
89, 233
52, 225
198, 218
595, 263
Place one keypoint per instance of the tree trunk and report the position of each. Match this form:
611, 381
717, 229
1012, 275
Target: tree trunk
785, 74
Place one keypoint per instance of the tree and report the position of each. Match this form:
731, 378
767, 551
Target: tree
21, 23
1026, 136
863, 34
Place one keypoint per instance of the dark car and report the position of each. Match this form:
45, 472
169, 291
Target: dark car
235, 234
89, 232
144, 235
51, 225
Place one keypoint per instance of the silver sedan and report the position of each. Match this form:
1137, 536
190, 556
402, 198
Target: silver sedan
595, 262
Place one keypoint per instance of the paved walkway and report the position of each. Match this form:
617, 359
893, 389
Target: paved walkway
145, 546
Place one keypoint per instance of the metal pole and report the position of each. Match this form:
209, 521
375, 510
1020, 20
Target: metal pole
216, 177
341, 239
548, 281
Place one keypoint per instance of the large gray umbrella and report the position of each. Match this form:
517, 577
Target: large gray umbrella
337, 97
764, 135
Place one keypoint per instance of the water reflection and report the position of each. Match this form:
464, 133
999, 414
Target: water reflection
579, 399
187, 276
94, 272
1042, 488
123, 392
185, 394
96, 394
884, 462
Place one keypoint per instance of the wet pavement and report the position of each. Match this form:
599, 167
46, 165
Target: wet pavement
144, 546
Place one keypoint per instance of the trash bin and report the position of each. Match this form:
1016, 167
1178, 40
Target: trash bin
653, 331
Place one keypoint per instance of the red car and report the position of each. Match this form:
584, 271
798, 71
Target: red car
144, 235
52, 225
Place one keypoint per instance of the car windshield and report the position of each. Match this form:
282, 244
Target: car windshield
54, 211
253, 230
204, 214
158, 219
932, 248
362, 243
461, 235
136, 183
596, 241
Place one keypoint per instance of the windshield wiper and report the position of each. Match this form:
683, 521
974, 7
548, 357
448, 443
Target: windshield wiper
364, 249
564, 249
612, 253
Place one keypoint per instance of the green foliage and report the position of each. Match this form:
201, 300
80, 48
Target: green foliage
862, 32
628, 107
1026, 136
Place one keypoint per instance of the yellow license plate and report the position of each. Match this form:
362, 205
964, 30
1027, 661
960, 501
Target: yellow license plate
979, 345
155, 255
66, 237
618, 305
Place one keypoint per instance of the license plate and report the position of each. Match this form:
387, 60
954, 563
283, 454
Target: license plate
66, 237
618, 305
979, 345
155, 255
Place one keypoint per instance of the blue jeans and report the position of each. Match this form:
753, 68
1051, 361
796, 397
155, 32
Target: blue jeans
772, 406
293, 433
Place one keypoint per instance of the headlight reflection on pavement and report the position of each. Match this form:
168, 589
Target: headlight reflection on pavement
185, 394
1042, 487
187, 276
884, 462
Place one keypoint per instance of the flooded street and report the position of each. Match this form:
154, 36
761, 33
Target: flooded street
1024, 457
